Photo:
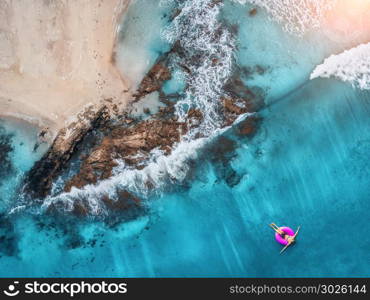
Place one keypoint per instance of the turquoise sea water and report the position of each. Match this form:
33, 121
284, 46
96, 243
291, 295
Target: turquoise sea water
19, 150
307, 165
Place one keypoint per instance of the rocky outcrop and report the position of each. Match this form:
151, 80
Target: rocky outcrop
129, 144
195, 117
248, 127
153, 81
130, 141
46, 170
133, 144
126, 201
240, 99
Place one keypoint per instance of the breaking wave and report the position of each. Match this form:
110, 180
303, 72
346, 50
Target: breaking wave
351, 66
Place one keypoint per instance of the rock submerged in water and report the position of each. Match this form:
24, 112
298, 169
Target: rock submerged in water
130, 202
253, 12
124, 202
153, 81
248, 127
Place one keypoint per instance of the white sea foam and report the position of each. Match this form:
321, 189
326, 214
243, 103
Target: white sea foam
297, 17
199, 31
160, 171
351, 66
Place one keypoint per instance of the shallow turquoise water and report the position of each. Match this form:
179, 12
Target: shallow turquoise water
307, 165
18, 139
140, 38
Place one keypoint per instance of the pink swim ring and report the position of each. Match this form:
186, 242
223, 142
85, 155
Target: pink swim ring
287, 230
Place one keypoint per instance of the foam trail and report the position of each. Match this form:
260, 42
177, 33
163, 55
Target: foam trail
159, 172
351, 66
200, 34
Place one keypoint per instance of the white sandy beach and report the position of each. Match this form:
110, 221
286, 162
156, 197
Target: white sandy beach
56, 58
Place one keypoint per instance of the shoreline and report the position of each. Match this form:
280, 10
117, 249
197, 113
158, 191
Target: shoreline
72, 63
35, 120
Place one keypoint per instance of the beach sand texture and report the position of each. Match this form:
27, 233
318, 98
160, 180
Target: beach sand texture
56, 57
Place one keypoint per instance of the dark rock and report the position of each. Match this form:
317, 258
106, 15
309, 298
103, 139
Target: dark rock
232, 106
126, 144
125, 202
249, 126
240, 100
253, 12
175, 13
195, 117
222, 148
214, 3
232, 178
8, 237
6, 148
79, 209
221, 152
153, 81
248, 72
237, 89
44, 172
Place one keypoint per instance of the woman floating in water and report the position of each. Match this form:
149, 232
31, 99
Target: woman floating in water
284, 235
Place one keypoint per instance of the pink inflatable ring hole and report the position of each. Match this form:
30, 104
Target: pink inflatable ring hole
287, 230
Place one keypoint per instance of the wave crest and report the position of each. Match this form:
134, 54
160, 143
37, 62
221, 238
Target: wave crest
351, 66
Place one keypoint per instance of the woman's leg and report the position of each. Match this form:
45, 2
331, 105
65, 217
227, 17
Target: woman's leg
275, 228
273, 225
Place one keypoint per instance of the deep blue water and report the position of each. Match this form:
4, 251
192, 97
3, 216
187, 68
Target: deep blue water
307, 165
